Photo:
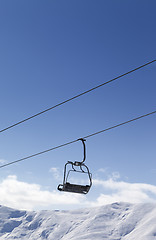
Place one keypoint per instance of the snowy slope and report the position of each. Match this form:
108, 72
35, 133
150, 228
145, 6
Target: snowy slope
118, 221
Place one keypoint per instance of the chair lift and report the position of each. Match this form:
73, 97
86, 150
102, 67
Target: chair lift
76, 188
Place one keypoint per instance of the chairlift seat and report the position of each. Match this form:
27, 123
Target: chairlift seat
74, 188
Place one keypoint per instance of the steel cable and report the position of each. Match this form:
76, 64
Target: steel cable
68, 143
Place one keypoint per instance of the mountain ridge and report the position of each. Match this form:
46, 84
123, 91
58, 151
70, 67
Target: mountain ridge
117, 221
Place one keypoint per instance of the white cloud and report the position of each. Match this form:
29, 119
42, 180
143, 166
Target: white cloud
103, 170
2, 161
124, 192
114, 175
55, 172
22, 195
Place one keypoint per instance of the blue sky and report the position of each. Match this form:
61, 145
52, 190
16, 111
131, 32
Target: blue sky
53, 50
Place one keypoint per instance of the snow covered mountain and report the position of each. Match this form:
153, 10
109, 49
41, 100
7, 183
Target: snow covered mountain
118, 221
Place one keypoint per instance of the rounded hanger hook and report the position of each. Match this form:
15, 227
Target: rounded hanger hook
84, 149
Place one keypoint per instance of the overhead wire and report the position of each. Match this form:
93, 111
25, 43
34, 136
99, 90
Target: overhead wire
76, 96
88, 136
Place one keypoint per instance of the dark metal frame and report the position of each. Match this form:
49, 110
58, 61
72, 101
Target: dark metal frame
76, 188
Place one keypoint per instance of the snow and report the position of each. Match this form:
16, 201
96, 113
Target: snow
118, 221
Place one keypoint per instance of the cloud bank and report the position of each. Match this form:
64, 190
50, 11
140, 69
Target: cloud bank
27, 196
125, 192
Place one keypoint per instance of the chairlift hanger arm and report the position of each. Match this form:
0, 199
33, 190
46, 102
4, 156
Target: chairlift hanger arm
84, 152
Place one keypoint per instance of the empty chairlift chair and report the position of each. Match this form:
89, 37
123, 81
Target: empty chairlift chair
76, 167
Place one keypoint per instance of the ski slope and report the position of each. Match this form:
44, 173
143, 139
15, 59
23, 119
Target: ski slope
118, 221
